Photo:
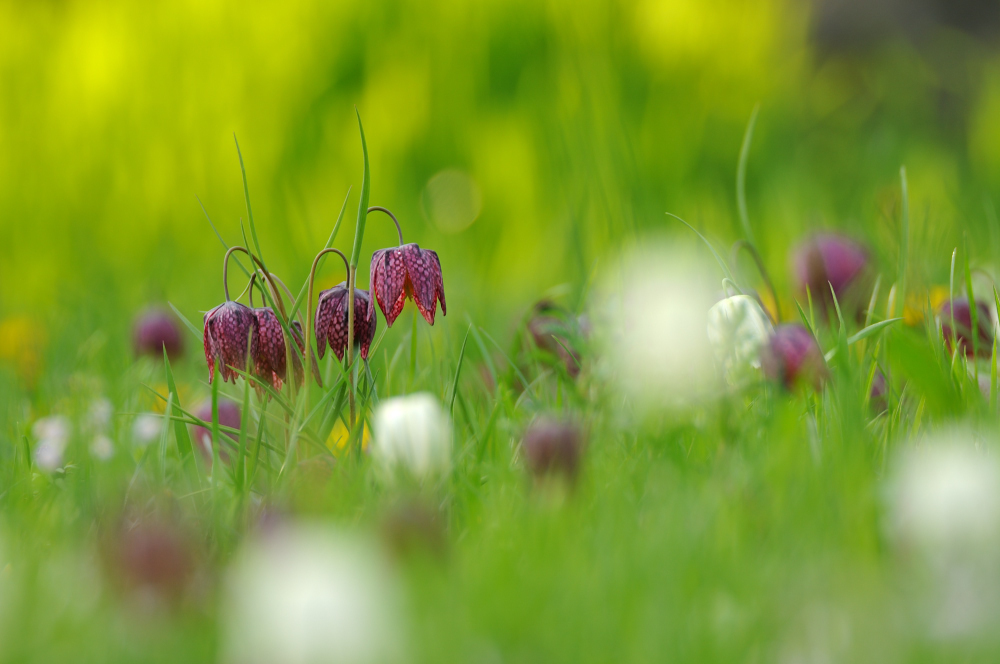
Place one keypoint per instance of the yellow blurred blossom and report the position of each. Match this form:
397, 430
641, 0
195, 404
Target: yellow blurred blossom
337, 440
787, 306
21, 342
917, 303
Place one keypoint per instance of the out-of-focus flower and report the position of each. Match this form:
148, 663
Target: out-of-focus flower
961, 312
792, 357
153, 560
554, 330
943, 513
339, 435
21, 343
878, 395
413, 526
230, 332
303, 594
412, 435
553, 446
404, 272
99, 414
229, 416
737, 330
146, 428
52, 435
332, 318
916, 303
830, 259
101, 447
154, 329
651, 326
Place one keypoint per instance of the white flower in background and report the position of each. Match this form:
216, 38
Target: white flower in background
102, 448
146, 428
306, 594
737, 329
99, 415
412, 434
52, 434
944, 514
651, 323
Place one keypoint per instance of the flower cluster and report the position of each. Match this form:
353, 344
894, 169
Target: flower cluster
252, 342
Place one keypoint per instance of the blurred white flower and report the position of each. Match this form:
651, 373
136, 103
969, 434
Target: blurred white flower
943, 504
147, 428
52, 434
304, 594
99, 415
737, 329
412, 434
651, 323
101, 447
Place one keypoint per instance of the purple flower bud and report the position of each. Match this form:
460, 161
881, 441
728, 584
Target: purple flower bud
963, 322
229, 416
155, 329
828, 259
877, 397
229, 327
792, 357
404, 272
332, 318
553, 447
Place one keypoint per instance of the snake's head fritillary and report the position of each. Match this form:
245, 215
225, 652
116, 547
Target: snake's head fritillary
961, 312
792, 357
404, 272
230, 336
829, 259
332, 319
270, 362
155, 329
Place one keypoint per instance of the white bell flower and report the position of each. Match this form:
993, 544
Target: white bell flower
737, 329
412, 434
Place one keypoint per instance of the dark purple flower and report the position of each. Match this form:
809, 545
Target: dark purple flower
229, 327
332, 318
270, 362
229, 416
155, 558
553, 447
963, 322
793, 357
155, 329
404, 272
828, 259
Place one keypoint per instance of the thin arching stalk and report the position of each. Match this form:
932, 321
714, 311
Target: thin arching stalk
309, 323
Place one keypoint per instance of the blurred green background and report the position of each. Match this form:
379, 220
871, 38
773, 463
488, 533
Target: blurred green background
562, 127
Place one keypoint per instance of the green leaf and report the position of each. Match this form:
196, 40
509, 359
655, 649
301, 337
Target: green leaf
863, 334
359, 231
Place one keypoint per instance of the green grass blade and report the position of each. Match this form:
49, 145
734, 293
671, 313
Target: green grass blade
741, 176
246, 195
904, 248
180, 431
718, 257
458, 371
329, 243
359, 231
188, 324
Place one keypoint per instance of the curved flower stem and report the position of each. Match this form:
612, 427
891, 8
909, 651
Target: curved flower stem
750, 249
379, 208
307, 355
352, 273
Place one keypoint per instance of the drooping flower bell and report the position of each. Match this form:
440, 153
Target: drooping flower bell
830, 259
270, 361
406, 271
332, 321
792, 357
961, 312
231, 337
